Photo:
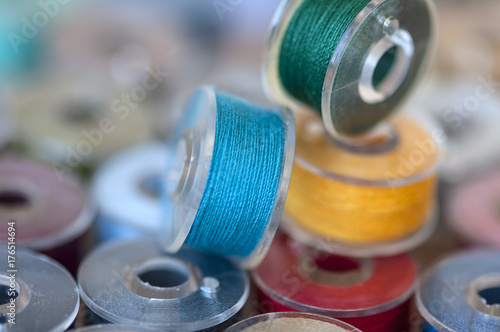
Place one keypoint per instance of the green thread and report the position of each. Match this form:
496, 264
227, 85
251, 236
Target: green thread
309, 43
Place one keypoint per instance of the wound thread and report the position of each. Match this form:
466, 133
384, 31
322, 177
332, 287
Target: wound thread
344, 196
243, 180
309, 42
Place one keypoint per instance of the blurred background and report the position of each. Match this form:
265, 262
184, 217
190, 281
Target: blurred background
81, 81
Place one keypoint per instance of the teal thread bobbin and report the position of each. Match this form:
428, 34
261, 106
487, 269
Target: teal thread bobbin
227, 176
352, 61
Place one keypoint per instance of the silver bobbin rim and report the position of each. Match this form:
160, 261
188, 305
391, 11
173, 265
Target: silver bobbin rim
214, 291
379, 107
249, 322
472, 274
186, 179
39, 278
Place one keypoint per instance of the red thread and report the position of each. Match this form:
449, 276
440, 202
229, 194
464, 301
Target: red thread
378, 302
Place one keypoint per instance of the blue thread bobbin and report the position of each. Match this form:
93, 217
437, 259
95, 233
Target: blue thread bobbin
128, 192
353, 107
462, 293
225, 154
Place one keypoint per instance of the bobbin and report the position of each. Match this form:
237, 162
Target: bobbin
111, 328
50, 209
190, 158
321, 163
78, 120
127, 189
467, 111
460, 293
187, 291
351, 106
292, 322
357, 291
46, 296
473, 212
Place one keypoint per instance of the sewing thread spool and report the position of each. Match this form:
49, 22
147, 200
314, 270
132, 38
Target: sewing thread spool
370, 294
291, 322
127, 189
351, 61
474, 212
461, 293
135, 283
50, 210
78, 121
45, 295
227, 176
377, 200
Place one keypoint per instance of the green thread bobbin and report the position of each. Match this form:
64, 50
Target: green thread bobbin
352, 61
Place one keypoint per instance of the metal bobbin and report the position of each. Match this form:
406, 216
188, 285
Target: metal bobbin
353, 108
187, 291
46, 296
462, 293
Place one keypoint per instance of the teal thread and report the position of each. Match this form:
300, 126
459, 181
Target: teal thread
243, 179
309, 43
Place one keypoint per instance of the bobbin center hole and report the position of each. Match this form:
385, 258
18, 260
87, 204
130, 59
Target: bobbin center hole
387, 64
151, 185
335, 270
14, 296
77, 112
483, 294
162, 278
14, 198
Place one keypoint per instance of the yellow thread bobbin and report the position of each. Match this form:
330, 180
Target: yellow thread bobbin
378, 201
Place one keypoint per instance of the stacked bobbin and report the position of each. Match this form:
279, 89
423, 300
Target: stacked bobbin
363, 183
361, 186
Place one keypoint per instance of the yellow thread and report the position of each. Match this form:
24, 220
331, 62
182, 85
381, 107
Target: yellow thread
342, 210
